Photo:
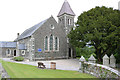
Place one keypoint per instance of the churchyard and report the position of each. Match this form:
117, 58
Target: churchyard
87, 69
16, 70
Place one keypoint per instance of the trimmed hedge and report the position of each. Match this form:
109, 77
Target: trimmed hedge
20, 58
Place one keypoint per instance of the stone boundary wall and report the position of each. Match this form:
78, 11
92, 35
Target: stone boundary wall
98, 70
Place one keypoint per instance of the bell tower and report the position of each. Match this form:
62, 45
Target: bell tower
66, 17
66, 21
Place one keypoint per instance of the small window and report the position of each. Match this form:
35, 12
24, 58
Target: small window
69, 21
52, 26
22, 52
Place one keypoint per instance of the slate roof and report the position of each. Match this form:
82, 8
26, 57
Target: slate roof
30, 31
22, 46
8, 44
66, 9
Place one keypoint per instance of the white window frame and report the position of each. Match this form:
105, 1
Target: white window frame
22, 52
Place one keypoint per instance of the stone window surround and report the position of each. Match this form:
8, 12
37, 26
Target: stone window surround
49, 43
22, 52
46, 37
9, 51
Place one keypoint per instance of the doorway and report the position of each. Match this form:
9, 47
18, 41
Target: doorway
14, 52
69, 52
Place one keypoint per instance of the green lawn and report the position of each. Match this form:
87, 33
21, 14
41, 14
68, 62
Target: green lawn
0, 62
16, 70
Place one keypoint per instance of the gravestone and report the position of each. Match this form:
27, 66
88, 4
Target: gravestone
106, 60
112, 61
92, 59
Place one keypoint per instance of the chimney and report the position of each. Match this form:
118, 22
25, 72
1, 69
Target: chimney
18, 35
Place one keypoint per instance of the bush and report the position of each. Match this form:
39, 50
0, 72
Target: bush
20, 58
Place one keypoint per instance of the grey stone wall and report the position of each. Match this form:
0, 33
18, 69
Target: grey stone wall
27, 43
0, 52
98, 70
45, 30
4, 55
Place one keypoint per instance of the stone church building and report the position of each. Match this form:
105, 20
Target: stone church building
45, 40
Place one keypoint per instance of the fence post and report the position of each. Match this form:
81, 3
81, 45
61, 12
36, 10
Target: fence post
92, 59
106, 60
81, 63
112, 61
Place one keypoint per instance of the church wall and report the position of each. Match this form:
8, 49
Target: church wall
46, 30
5, 55
27, 42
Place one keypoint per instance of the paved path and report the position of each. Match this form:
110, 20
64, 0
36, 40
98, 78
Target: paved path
64, 64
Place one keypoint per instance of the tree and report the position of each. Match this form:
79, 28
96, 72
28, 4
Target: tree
98, 27
86, 52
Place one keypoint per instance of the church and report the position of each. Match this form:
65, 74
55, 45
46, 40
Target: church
45, 40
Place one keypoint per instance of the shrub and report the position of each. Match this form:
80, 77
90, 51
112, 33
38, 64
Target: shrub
20, 58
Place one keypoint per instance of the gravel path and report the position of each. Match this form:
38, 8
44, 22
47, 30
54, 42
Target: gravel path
64, 64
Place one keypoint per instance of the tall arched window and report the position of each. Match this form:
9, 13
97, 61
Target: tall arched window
56, 43
46, 43
51, 42
8, 51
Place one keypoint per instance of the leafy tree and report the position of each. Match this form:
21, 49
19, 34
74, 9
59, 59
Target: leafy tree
86, 52
98, 27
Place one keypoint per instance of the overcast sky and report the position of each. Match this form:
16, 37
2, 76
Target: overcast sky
19, 15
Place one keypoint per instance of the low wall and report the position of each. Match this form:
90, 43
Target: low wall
100, 71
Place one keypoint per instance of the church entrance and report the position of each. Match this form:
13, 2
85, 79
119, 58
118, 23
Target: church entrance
14, 52
70, 53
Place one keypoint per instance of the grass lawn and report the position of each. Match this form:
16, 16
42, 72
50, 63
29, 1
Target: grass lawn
1, 63
16, 70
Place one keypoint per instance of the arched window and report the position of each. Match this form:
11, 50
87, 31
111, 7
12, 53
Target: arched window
56, 43
8, 51
51, 42
46, 43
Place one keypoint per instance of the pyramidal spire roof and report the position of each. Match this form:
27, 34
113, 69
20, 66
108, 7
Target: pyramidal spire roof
66, 9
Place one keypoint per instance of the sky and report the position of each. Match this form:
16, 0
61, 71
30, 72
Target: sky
18, 15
